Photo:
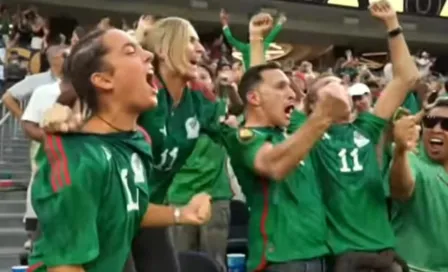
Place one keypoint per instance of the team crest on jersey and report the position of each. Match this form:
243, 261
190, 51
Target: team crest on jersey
360, 140
245, 135
137, 168
192, 127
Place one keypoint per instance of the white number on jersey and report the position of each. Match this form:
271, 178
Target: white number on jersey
167, 159
345, 168
131, 205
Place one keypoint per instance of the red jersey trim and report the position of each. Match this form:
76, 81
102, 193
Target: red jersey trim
264, 218
60, 175
34, 267
145, 134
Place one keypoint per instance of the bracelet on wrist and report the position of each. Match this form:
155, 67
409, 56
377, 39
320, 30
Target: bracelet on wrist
394, 32
176, 215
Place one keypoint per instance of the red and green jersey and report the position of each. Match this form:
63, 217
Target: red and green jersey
287, 220
420, 222
90, 195
175, 129
348, 169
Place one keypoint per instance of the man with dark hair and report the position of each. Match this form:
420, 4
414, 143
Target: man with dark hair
418, 181
287, 228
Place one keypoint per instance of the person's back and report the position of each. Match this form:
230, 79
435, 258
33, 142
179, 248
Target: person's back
93, 189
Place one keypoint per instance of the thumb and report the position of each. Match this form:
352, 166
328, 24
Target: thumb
419, 116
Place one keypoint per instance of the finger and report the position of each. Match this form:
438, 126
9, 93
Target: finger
417, 118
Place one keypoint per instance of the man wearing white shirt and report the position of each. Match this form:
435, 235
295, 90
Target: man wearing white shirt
41, 100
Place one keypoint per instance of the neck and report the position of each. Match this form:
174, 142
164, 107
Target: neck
174, 83
257, 118
109, 122
298, 105
55, 72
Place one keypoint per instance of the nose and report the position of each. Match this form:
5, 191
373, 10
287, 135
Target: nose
200, 48
437, 128
291, 94
148, 56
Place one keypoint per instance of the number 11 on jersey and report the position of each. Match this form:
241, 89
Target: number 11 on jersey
345, 168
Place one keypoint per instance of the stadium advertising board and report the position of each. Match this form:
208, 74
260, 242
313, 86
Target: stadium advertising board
433, 8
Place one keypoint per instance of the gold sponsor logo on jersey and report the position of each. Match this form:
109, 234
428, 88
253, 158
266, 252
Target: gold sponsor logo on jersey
245, 134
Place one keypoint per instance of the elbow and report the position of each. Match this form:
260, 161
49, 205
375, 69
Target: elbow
278, 173
410, 81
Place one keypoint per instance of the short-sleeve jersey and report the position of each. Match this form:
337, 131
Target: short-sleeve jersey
287, 220
175, 129
348, 169
90, 195
420, 223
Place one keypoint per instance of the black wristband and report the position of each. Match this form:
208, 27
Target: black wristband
394, 32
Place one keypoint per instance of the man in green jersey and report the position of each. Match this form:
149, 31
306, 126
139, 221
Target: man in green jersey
287, 228
419, 184
346, 161
91, 193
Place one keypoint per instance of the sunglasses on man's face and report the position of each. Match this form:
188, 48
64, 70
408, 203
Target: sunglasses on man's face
432, 121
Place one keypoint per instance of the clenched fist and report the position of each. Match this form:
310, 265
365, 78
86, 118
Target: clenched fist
198, 211
260, 24
61, 118
334, 102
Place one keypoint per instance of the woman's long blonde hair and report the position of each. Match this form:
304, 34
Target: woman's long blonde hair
168, 39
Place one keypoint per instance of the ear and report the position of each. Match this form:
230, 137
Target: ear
102, 80
253, 98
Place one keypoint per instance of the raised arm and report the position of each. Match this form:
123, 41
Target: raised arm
240, 46
277, 161
275, 31
258, 26
406, 135
405, 73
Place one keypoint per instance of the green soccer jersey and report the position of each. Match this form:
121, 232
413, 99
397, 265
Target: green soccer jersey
204, 171
420, 223
287, 220
347, 167
175, 129
90, 195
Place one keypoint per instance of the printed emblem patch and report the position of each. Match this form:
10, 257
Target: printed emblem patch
245, 134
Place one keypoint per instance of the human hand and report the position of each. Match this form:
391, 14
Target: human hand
197, 211
61, 118
384, 11
260, 24
224, 17
334, 102
406, 131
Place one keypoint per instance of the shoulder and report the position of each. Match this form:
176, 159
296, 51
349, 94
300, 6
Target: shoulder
47, 89
77, 150
145, 134
201, 90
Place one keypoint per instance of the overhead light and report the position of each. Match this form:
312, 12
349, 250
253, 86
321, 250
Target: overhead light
274, 52
199, 4
409, 26
351, 21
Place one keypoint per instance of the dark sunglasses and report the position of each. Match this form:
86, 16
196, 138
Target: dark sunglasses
432, 121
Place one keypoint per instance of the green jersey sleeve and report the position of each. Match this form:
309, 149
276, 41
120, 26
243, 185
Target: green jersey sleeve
371, 125
243, 145
66, 195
